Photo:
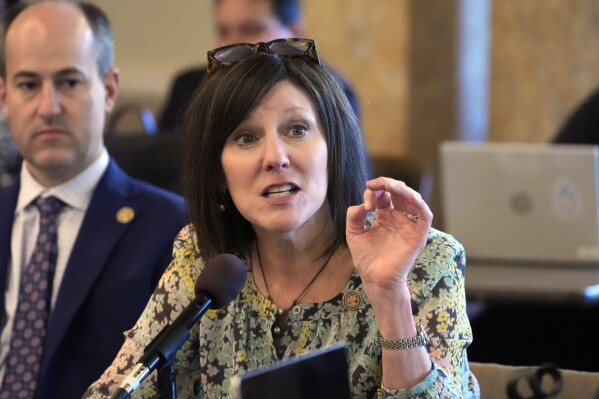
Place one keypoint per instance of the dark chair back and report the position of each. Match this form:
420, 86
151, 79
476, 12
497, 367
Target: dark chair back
144, 154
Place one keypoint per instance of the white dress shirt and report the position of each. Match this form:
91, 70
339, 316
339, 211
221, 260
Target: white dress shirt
76, 194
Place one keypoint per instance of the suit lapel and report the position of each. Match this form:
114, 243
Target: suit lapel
99, 234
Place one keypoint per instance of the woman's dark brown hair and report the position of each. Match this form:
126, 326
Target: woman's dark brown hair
221, 103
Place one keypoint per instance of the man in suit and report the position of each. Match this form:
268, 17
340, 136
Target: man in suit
241, 21
114, 233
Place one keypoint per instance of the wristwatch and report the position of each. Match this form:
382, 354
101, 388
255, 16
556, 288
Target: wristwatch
419, 340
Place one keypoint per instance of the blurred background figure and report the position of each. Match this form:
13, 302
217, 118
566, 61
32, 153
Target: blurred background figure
242, 21
9, 156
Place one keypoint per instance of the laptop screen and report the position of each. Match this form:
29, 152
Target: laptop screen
318, 374
522, 201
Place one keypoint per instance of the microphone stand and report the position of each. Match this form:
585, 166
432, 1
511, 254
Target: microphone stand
167, 345
212, 291
160, 352
166, 381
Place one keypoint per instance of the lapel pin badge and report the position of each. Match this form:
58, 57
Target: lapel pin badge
125, 215
352, 300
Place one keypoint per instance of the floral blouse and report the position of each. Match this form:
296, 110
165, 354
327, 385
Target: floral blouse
238, 338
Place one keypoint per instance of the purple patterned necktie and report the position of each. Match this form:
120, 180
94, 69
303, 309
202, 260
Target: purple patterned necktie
24, 358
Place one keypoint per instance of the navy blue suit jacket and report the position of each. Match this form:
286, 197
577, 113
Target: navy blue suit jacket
110, 275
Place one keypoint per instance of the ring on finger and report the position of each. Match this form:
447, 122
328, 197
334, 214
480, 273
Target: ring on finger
413, 218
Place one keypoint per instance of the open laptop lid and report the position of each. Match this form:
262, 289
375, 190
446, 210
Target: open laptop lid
522, 201
319, 374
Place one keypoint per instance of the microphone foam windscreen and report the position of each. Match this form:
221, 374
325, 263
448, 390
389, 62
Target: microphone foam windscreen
222, 279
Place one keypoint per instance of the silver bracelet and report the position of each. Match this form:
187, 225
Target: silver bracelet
419, 340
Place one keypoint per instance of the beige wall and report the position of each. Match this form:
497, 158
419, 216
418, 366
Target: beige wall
545, 59
154, 40
368, 41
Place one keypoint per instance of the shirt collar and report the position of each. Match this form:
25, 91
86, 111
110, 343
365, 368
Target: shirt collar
76, 192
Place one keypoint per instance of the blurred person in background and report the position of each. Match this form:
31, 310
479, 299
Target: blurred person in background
242, 21
9, 156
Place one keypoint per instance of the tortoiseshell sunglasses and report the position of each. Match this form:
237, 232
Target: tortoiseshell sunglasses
289, 48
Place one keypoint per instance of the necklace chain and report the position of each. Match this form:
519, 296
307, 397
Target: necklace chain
301, 295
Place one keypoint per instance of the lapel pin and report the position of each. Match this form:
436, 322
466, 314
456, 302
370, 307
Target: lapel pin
352, 300
125, 215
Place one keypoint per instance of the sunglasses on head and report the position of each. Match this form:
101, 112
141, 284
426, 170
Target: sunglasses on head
289, 48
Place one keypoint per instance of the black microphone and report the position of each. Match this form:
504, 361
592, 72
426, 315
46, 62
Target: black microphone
219, 283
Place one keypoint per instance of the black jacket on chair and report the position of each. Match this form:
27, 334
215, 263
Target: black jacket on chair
582, 127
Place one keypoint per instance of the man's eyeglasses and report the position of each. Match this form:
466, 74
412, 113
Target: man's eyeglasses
289, 48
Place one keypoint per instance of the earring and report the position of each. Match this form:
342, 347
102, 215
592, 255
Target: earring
222, 208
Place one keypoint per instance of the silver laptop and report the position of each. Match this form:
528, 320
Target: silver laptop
527, 215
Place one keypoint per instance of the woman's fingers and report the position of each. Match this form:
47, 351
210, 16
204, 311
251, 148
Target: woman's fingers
377, 199
385, 192
355, 219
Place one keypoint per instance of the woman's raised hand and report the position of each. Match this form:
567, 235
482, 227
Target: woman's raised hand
384, 253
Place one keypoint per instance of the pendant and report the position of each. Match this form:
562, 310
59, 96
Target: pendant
277, 330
